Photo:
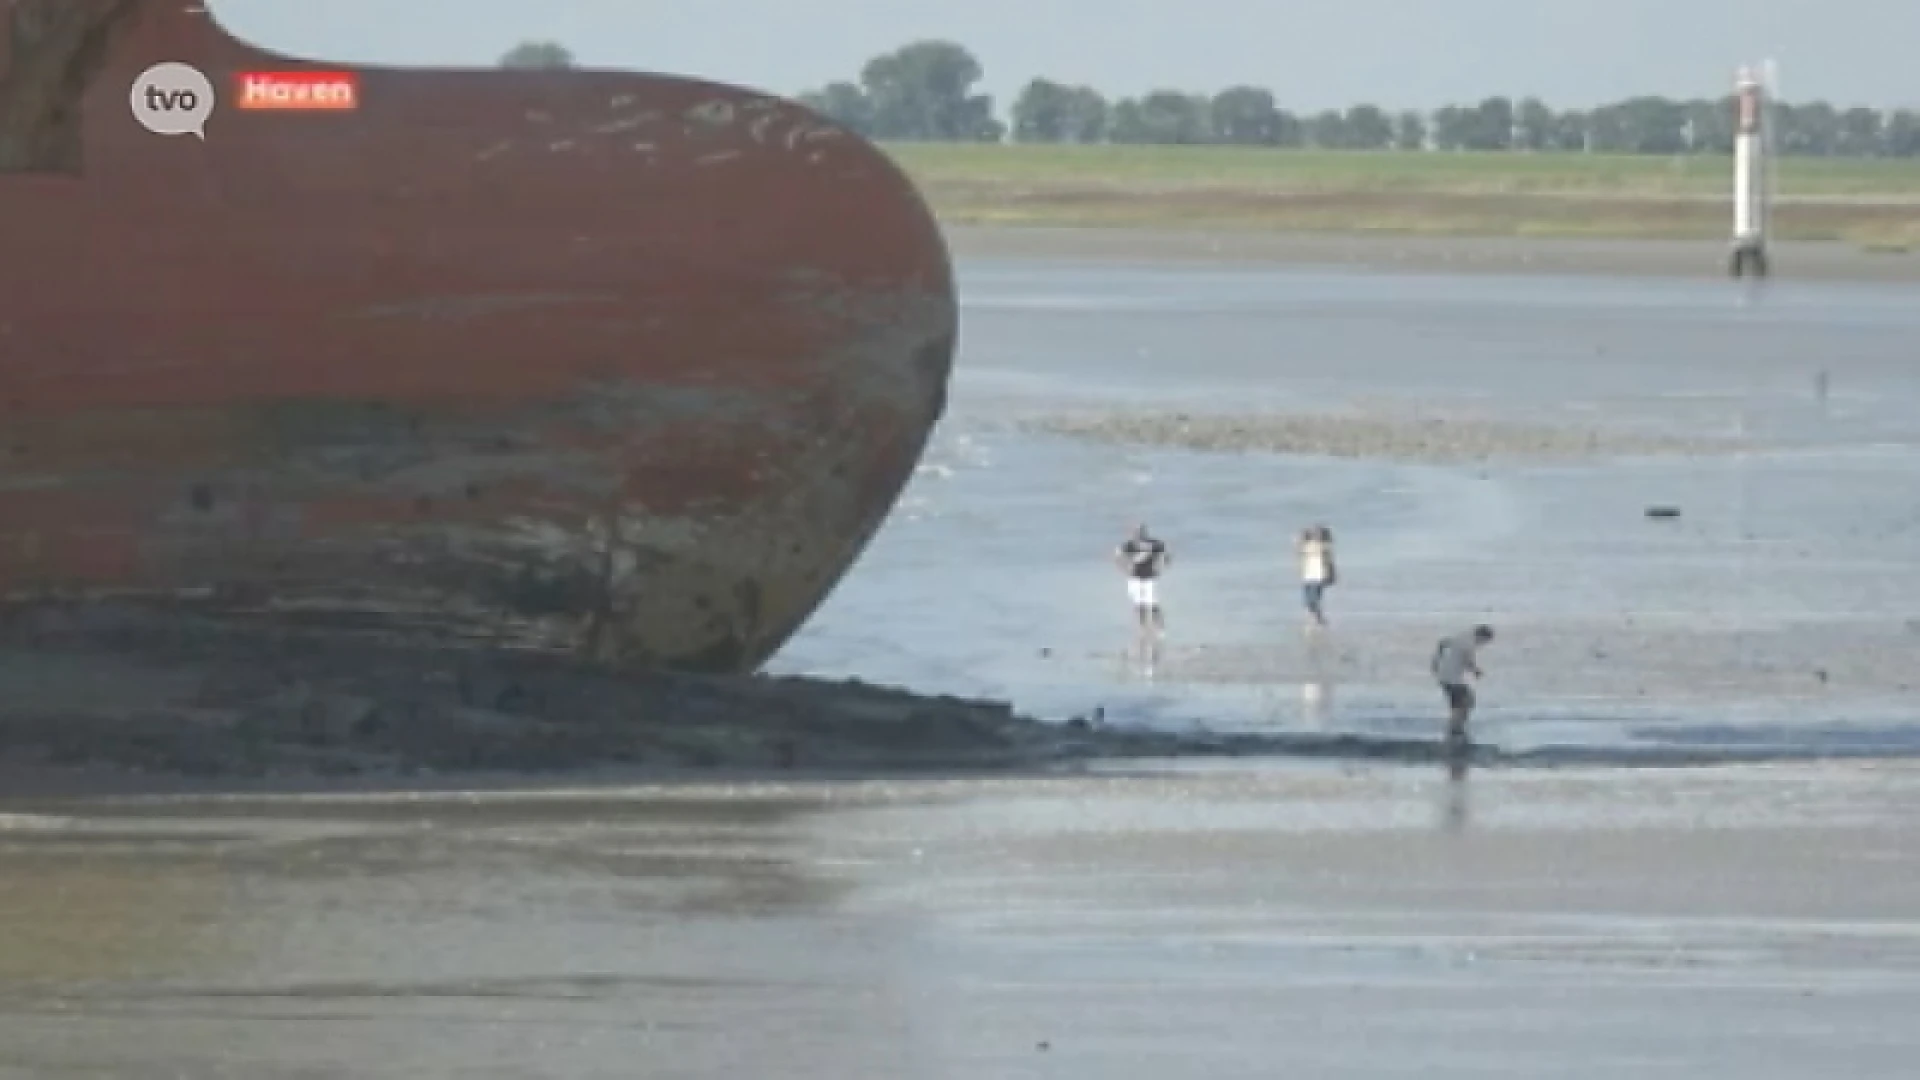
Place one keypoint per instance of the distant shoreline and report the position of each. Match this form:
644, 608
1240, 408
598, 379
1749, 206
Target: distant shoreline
1872, 204
1705, 259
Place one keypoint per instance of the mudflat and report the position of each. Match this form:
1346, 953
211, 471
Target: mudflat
1689, 258
1486, 447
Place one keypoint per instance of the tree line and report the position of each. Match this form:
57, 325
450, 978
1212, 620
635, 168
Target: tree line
537, 56
926, 91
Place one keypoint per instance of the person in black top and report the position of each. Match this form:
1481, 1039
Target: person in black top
1141, 558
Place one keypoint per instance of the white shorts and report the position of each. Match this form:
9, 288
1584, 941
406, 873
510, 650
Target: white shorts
1142, 591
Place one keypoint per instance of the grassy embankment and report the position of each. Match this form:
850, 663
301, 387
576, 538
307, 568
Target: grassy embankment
1872, 203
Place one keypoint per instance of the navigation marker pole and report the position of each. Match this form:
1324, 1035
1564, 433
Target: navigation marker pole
1752, 170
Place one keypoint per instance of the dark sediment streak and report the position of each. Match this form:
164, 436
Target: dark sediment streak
172, 694
166, 694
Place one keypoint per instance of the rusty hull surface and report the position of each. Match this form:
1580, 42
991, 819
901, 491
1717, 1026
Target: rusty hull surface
623, 364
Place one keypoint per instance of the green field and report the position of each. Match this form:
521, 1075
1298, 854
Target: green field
1867, 201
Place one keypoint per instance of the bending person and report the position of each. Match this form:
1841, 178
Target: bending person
1455, 659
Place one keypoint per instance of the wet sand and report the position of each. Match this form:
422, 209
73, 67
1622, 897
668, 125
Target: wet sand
1428, 254
1486, 448
1377, 435
1218, 922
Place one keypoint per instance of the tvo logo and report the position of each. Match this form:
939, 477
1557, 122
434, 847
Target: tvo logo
173, 99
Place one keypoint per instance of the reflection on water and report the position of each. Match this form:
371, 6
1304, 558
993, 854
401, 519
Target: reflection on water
1140, 661
1316, 705
1454, 813
443, 935
75, 913
1316, 692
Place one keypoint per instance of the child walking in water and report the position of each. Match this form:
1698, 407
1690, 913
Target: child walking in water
1317, 571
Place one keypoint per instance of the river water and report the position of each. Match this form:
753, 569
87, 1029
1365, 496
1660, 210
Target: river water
1330, 919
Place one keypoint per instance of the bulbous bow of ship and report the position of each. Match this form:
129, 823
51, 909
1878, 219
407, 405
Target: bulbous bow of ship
625, 364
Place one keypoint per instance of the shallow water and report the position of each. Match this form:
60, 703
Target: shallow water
993, 578
1201, 922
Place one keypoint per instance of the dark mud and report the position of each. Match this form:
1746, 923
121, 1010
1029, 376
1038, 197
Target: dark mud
165, 694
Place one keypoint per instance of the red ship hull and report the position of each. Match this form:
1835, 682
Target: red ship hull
623, 364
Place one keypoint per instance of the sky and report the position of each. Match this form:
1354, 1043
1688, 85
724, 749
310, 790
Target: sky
1312, 54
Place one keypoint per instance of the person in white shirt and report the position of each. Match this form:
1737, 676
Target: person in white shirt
1316, 570
1454, 659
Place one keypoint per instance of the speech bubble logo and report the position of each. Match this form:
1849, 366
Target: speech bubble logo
172, 99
